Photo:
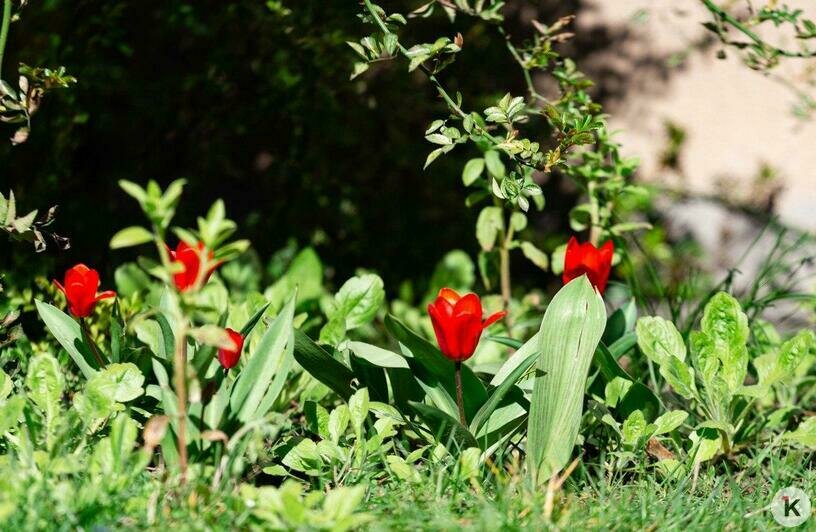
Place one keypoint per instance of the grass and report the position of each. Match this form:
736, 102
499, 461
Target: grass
639, 500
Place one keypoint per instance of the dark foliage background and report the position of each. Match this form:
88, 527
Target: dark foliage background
251, 101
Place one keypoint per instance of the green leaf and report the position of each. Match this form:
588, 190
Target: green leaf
45, 383
456, 270
263, 377
634, 427
500, 392
377, 356
444, 429
488, 226
495, 166
322, 366
570, 333
659, 339
669, 421
305, 274
680, 377
339, 419
518, 221
115, 384
637, 395
6, 385
355, 304
434, 371
10, 413
472, 171
805, 433
120, 382
535, 255
67, 332
724, 332
358, 410
130, 236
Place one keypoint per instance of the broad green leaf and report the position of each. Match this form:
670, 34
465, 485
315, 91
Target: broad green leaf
615, 390
725, 328
377, 356
355, 304
263, 377
494, 164
472, 171
120, 382
45, 383
805, 433
322, 366
782, 365
570, 333
659, 339
669, 421
488, 226
130, 236
637, 396
455, 270
535, 255
680, 377
339, 419
305, 274
304, 457
518, 221
105, 391
67, 332
707, 446
500, 392
358, 410
6, 385
10, 413
634, 427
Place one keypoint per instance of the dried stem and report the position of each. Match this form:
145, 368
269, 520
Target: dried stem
180, 378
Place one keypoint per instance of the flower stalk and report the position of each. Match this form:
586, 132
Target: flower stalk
460, 401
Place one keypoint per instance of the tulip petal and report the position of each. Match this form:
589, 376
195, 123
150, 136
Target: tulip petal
468, 331
61, 288
469, 304
107, 294
493, 318
450, 295
440, 330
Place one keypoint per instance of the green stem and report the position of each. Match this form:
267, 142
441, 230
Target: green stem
4, 30
594, 214
91, 344
460, 402
504, 272
726, 17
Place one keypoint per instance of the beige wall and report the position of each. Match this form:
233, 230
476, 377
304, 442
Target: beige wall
735, 119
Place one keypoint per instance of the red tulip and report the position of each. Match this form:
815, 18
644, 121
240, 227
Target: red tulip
458, 324
80, 286
229, 357
191, 258
586, 259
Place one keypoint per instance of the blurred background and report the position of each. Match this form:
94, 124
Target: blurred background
251, 101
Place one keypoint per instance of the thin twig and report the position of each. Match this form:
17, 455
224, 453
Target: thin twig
726, 17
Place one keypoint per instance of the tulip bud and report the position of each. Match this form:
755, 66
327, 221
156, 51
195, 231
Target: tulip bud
457, 322
586, 259
80, 286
